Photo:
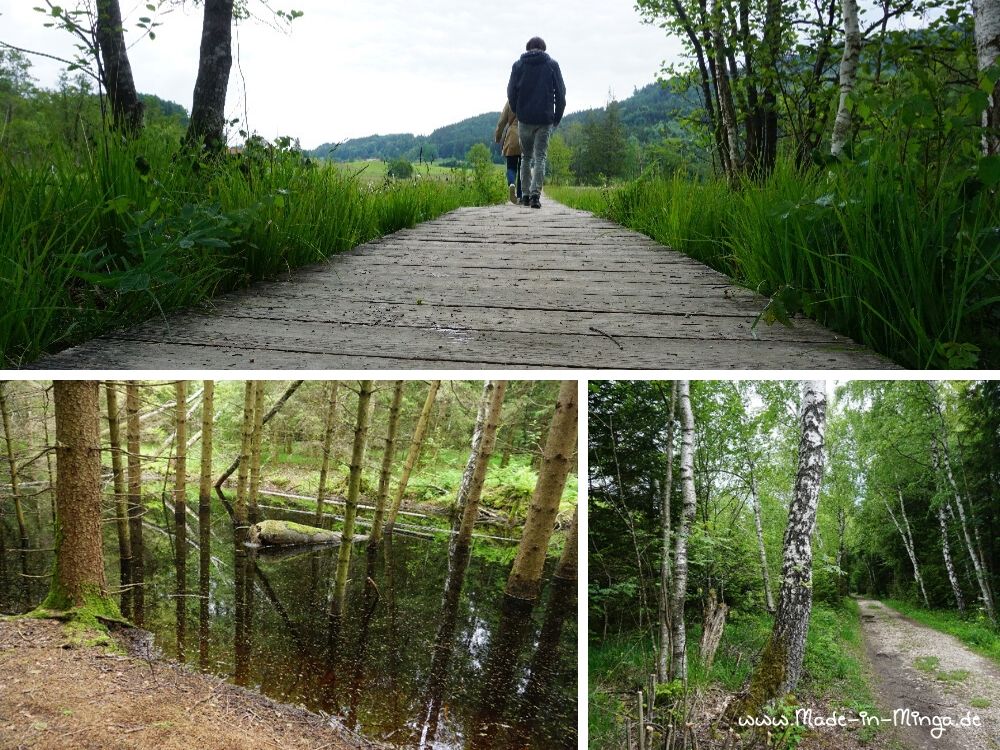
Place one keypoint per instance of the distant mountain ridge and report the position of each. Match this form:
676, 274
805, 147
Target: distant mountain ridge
646, 114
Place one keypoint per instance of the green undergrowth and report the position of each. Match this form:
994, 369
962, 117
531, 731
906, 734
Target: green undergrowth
974, 631
96, 239
895, 255
834, 668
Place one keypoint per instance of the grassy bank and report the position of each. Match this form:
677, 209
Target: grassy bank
834, 672
894, 256
98, 239
975, 633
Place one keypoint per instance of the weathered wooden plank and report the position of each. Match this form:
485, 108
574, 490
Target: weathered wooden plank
332, 346
483, 287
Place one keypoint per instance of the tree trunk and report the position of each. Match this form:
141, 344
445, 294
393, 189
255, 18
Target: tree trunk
267, 418
116, 71
948, 564
205, 519
15, 490
977, 563
678, 662
353, 490
772, 33
48, 455
180, 515
524, 581
761, 549
907, 538
664, 653
121, 500
136, 509
944, 457
387, 457
987, 32
255, 441
208, 109
566, 568
781, 663
727, 109
471, 487
240, 507
848, 74
411, 457
714, 621
328, 430
78, 580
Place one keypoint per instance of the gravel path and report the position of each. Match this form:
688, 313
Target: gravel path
920, 669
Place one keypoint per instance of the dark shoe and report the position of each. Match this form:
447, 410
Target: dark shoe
536, 201
525, 201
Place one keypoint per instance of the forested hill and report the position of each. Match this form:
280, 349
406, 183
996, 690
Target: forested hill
643, 114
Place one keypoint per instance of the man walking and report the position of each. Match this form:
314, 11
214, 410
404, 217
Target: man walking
537, 95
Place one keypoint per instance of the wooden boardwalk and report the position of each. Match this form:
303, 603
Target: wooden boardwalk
494, 287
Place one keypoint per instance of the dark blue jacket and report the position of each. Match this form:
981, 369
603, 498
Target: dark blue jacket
536, 91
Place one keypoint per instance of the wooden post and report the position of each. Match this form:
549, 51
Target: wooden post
642, 724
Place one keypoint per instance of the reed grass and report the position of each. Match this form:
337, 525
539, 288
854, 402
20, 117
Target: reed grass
870, 248
97, 239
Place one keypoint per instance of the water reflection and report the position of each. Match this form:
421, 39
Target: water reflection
411, 661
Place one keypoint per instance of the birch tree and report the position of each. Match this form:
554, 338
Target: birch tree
986, 15
848, 75
907, 536
678, 659
781, 663
664, 652
470, 488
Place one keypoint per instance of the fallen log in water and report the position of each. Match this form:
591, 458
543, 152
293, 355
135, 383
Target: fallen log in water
272, 533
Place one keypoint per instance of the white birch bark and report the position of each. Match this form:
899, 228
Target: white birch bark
907, 537
848, 75
986, 14
762, 550
941, 449
664, 654
678, 669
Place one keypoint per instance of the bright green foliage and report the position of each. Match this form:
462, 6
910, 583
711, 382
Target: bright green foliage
400, 169
975, 633
843, 247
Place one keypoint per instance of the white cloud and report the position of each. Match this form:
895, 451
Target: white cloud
350, 69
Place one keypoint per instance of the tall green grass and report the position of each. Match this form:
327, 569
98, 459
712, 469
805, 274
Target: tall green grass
975, 632
834, 669
869, 248
95, 239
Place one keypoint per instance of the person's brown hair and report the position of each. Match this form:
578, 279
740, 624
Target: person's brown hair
536, 42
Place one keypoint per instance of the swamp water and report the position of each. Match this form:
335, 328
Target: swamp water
426, 654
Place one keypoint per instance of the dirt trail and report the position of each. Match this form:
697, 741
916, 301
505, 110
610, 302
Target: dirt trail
934, 674
56, 695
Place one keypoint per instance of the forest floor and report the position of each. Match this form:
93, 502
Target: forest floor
59, 693
921, 669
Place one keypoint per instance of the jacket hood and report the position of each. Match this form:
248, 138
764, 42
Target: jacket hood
535, 57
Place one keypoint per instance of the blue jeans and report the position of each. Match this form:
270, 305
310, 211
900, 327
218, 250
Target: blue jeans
534, 149
514, 172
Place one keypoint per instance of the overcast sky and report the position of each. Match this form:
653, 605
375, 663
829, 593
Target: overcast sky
350, 69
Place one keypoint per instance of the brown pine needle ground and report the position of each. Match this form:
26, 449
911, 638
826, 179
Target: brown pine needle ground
57, 695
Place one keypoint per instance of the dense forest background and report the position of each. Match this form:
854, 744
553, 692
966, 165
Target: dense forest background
906, 513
